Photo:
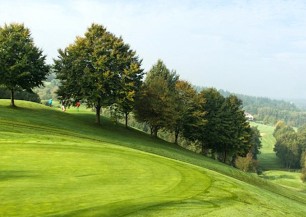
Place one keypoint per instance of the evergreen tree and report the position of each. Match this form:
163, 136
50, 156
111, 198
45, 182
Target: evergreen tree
236, 132
184, 102
154, 104
255, 142
22, 64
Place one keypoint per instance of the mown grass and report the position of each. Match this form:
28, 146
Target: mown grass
62, 164
274, 171
267, 159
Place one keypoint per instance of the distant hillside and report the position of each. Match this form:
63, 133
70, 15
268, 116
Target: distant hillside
269, 111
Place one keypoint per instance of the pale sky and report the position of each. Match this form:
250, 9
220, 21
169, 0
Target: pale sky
250, 47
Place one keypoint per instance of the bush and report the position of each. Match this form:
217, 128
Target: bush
246, 164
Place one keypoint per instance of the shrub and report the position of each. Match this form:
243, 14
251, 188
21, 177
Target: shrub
246, 164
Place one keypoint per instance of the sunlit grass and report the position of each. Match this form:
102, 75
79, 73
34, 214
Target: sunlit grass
55, 163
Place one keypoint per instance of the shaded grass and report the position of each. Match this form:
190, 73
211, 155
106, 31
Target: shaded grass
61, 164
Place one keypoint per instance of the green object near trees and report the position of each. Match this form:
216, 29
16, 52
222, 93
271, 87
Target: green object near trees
99, 69
22, 64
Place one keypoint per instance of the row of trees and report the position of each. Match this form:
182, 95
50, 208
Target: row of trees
216, 122
101, 70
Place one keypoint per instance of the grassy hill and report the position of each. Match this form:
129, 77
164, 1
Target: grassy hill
267, 158
55, 163
274, 171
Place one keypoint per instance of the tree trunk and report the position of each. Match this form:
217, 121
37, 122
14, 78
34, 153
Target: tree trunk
12, 98
225, 155
176, 134
126, 120
98, 112
155, 132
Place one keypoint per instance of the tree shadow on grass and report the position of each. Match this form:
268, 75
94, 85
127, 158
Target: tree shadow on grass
14, 174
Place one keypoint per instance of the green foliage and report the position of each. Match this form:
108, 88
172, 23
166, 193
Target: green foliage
184, 104
21, 95
48, 91
155, 101
287, 145
246, 164
226, 133
99, 69
269, 111
22, 64
255, 141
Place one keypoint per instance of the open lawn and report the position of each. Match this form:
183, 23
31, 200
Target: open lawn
267, 159
55, 163
273, 169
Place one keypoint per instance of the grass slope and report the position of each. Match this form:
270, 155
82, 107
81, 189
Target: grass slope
61, 164
268, 160
273, 169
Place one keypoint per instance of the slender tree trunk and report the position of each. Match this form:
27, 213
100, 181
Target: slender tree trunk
225, 155
12, 98
155, 130
98, 112
151, 130
176, 134
126, 120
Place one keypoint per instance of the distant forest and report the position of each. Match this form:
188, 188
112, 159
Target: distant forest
270, 111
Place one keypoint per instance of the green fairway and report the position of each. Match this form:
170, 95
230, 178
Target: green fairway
267, 159
55, 163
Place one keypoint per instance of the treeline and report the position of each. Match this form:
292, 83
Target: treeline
270, 111
290, 147
218, 123
101, 70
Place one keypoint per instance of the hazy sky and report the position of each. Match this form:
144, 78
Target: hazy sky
251, 47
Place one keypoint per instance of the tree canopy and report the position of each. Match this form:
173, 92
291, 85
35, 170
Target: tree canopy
99, 69
22, 64
155, 101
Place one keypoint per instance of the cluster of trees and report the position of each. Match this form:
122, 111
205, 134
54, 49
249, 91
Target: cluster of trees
290, 146
49, 90
218, 123
101, 70
22, 64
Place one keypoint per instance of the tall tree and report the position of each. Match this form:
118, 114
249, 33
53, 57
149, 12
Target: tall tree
236, 132
154, 104
22, 64
210, 135
131, 80
184, 102
97, 68
287, 147
255, 142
